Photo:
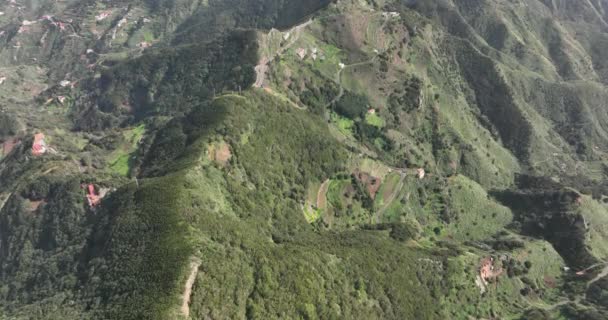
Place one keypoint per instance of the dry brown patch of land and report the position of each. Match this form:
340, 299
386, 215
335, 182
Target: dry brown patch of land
220, 153
322, 195
372, 184
9, 145
550, 282
34, 205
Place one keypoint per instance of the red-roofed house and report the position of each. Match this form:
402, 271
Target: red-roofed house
39, 147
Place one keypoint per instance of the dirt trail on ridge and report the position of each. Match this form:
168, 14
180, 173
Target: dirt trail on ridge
322, 195
185, 309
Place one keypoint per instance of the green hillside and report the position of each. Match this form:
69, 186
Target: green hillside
279, 159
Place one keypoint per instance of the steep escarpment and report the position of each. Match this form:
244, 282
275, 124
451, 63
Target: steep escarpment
547, 210
495, 100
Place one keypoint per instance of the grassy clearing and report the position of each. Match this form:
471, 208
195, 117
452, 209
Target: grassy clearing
374, 120
478, 217
121, 158
364, 79
335, 193
387, 189
329, 64
373, 167
244, 138
148, 36
344, 125
311, 212
311, 215
394, 212
121, 165
547, 267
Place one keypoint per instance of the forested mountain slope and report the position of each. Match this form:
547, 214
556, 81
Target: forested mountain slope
278, 159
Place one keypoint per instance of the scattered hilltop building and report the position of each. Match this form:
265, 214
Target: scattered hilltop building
144, 45
102, 16
421, 173
39, 147
93, 196
301, 52
488, 271
391, 14
61, 25
25, 26
314, 53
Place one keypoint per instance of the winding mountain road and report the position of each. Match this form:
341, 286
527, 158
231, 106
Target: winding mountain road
578, 299
338, 79
262, 68
599, 276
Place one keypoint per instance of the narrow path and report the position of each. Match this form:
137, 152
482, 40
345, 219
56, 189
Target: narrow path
5, 201
339, 79
578, 299
227, 95
262, 66
260, 73
322, 194
593, 267
600, 275
185, 309
284, 98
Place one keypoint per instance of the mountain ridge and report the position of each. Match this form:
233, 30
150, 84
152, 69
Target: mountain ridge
417, 159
